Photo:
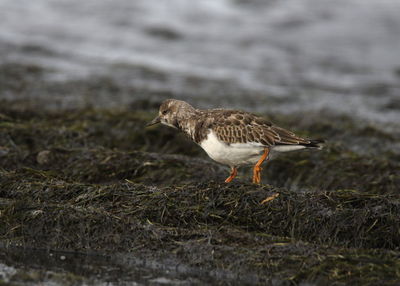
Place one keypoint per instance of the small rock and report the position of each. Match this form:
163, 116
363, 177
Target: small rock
44, 157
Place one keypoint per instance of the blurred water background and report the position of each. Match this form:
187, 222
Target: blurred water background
261, 55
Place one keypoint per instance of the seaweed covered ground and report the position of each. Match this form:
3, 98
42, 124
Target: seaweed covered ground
97, 181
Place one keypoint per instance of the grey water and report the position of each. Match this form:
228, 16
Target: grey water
279, 56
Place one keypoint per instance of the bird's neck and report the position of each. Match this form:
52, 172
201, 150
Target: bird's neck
187, 122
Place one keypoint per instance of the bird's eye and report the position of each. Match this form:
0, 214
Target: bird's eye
164, 112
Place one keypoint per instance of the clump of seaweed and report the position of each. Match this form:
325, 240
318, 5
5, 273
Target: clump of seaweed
191, 220
346, 218
98, 180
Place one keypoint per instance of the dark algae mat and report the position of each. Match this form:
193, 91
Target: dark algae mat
87, 183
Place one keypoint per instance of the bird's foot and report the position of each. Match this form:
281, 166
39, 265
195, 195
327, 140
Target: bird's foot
232, 176
257, 175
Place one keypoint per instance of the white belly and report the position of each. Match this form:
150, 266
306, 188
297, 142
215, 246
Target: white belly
236, 154
239, 154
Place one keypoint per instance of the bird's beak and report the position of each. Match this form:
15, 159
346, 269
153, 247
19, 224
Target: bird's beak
154, 121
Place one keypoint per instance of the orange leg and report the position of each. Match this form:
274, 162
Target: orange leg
257, 168
232, 176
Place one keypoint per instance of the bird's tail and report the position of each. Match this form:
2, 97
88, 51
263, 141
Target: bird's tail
315, 143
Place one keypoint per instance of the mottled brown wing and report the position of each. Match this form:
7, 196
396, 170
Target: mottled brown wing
231, 126
288, 138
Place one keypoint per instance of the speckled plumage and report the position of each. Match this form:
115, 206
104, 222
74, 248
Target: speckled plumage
230, 126
231, 137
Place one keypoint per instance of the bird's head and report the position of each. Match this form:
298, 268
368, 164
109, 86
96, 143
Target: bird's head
171, 111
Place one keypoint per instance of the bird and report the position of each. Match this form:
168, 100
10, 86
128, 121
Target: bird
232, 137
